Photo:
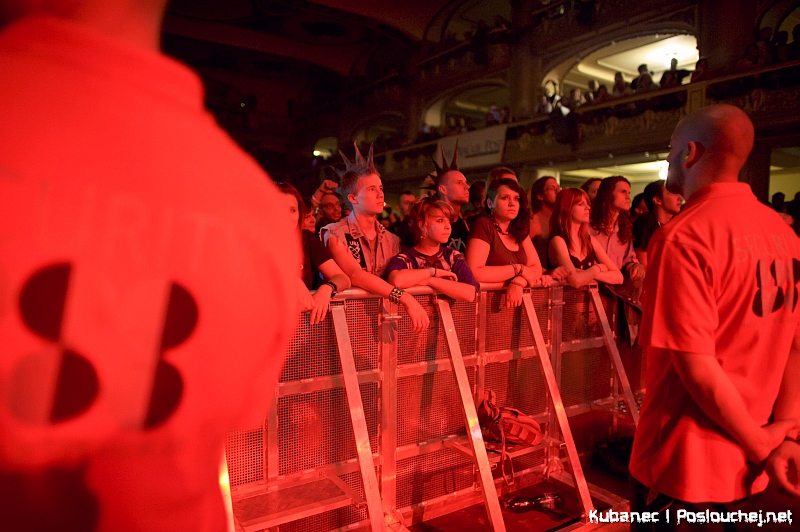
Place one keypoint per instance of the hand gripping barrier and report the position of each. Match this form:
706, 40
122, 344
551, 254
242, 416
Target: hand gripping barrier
375, 426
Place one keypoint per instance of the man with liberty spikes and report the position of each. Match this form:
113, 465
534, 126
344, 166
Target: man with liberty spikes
452, 188
360, 245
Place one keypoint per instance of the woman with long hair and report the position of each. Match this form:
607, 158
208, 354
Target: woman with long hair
572, 247
611, 225
499, 248
317, 261
430, 262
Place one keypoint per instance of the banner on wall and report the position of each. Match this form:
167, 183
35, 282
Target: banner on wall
476, 148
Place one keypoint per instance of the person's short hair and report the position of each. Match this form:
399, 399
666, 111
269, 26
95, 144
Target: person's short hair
538, 188
286, 188
588, 183
500, 171
643, 66
407, 193
477, 191
422, 208
637, 199
520, 227
651, 191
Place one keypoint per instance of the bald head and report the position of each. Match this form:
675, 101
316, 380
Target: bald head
708, 146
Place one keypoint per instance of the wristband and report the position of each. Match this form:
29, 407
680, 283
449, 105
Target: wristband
432, 271
524, 282
396, 294
334, 290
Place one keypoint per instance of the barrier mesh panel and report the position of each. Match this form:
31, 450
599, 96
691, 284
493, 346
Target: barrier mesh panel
579, 320
507, 328
333, 519
362, 324
519, 384
428, 406
312, 352
245, 456
431, 344
314, 429
432, 475
585, 376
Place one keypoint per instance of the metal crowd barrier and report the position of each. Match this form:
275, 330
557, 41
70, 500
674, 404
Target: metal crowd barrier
374, 426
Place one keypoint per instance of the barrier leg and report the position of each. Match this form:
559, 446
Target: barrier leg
578, 477
356, 407
471, 419
613, 352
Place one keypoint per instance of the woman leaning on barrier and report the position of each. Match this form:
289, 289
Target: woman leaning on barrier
572, 248
430, 262
317, 263
499, 248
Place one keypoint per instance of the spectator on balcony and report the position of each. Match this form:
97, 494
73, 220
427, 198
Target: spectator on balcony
610, 224
638, 207
451, 187
452, 127
642, 72
544, 107
621, 88
669, 80
590, 96
645, 83
360, 245
701, 71
752, 59
662, 205
493, 116
677, 74
579, 255
543, 198
430, 262
764, 46
499, 248
781, 39
402, 226
779, 202
477, 198
590, 186
794, 46
330, 209
319, 271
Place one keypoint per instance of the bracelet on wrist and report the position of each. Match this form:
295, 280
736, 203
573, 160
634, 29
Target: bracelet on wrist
396, 294
522, 284
334, 289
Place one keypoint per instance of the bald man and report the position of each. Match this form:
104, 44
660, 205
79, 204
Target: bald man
146, 277
720, 333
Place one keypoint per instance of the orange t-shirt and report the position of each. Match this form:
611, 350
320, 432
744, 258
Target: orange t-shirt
722, 281
147, 275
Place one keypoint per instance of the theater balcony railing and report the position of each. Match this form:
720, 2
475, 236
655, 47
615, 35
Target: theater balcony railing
622, 126
411, 411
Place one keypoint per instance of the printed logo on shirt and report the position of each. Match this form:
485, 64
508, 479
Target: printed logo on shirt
777, 286
354, 245
457, 244
76, 386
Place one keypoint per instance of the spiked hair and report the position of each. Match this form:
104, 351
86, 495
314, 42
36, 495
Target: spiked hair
444, 168
353, 171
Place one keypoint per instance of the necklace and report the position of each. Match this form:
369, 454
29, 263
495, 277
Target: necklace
497, 226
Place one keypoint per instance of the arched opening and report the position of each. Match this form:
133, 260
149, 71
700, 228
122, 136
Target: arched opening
471, 108
625, 56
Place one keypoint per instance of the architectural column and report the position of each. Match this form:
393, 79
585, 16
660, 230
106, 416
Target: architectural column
756, 170
725, 30
525, 74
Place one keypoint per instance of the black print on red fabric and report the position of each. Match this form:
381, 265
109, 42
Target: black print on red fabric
42, 302
180, 322
354, 245
771, 284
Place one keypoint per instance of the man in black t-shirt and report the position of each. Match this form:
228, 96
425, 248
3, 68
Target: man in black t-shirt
662, 205
401, 226
451, 185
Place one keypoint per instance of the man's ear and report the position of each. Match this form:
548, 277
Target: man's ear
694, 151
352, 199
441, 189
658, 201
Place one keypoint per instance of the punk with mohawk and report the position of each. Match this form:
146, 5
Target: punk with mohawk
353, 171
360, 245
452, 188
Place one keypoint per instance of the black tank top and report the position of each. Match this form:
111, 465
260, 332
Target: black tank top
588, 261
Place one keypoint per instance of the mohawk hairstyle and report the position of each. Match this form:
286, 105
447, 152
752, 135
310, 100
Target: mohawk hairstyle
348, 178
444, 168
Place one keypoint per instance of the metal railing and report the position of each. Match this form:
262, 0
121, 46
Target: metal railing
412, 410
